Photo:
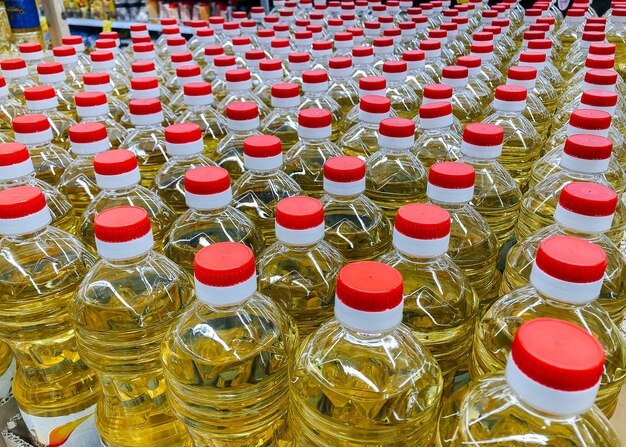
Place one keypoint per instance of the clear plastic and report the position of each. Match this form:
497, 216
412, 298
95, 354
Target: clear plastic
49, 160
60, 124
229, 382
78, 182
197, 229
147, 142
394, 178
161, 215
9, 109
325, 101
345, 92
490, 353
17, 86
356, 227
304, 163
349, 388
256, 194
361, 140
282, 122
302, 280
490, 412
40, 273
438, 144
134, 410
229, 152
404, 100
616, 34
440, 308
212, 124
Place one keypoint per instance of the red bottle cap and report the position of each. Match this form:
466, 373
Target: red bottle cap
207, 180
21, 201
299, 213
224, 264
588, 199
422, 221
262, 146
571, 259
369, 286
121, 224
344, 169
114, 162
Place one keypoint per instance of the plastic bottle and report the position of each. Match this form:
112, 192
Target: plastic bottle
585, 122
49, 160
522, 143
222, 64
32, 54
365, 359
394, 175
84, 64
585, 158
417, 78
298, 63
489, 73
578, 53
185, 74
437, 141
42, 267
68, 58
566, 279
305, 160
585, 210
43, 100
210, 218
16, 169
147, 139
17, 77
473, 246
146, 60
497, 196
105, 59
404, 101
420, 238
546, 392
355, 225
92, 107
134, 409
101, 82
118, 177
440, 93
255, 395
239, 84
184, 146
571, 29
299, 271
78, 181
361, 140
209, 72
540, 100
601, 79
199, 102
315, 87
343, 89
282, 122
433, 64
264, 183
464, 104
363, 63
270, 72
371, 85
147, 87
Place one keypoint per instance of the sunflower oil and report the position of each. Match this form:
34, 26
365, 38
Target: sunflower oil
229, 381
210, 218
565, 282
361, 140
40, 269
282, 121
130, 280
421, 238
363, 366
437, 139
355, 225
299, 271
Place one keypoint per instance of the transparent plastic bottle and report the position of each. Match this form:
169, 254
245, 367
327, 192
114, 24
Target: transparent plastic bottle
101, 82
209, 72
489, 73
43, 100
361, 140
420, 238
222, 64
371, 30
464, 104
210, 218
16, 169
32, 54
105, 60
473, 246
257, 327
591, 123
395, 176
363, 63
92, 107
146, 61
565, 282
239, 85
546, 392
147, 139
579, 52
440, 93
253, 60
299, 271
370, 85
343, 89
184, 146
355, 225
78, 181
118, 177
271, 72
15, 73
305, 160
404, 101
571, 29
185, 74
437, 141
601, 79
298, 63
417, 78
365, 360
149, 88
42, 267
433, 64
315, 86
9, 107
130, 279
522, 143
585, 210
383, 51
84, 64
49, 160
68, 58
616, 34
584, 158
282, 122
447, 56
264, 183
497, 196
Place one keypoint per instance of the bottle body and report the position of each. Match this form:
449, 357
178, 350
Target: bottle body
78, 182
304, 163
148, 145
